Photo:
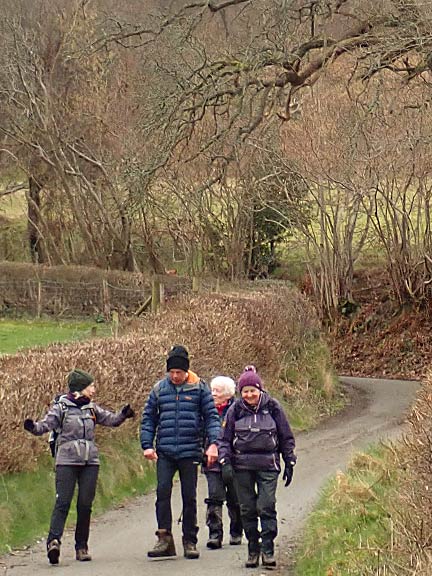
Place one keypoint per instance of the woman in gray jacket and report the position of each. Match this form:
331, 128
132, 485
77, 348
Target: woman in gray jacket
74, 417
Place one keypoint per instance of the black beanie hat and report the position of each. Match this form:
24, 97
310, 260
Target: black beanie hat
178, 359
78, 380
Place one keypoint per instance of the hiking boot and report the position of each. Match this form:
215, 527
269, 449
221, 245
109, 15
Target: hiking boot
253, 560
53, 551
82, 555
214, 542
164, 547
214, 523
268, 559
235, 540
190, 550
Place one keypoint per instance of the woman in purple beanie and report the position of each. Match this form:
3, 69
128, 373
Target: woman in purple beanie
256, 434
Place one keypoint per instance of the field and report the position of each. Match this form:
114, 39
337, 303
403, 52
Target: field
16, 335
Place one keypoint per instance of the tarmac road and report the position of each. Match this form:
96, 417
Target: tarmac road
120, 539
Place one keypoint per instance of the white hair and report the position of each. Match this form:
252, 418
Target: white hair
226, 383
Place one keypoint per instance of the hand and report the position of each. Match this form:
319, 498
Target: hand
227, 474
288, 473
127, 411
212, 454
150, 454
29, 425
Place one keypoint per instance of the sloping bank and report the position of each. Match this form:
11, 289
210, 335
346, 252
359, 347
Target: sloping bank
275, 329
377, 517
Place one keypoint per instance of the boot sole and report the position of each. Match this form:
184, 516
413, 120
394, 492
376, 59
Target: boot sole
156, 556
53, 556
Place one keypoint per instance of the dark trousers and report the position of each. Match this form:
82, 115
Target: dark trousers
256, 491
188, 472
66, 479
218, 493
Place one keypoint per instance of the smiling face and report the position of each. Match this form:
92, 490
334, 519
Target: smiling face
219, 394
251, 395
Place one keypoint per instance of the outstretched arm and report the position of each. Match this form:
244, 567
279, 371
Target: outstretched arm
51, 420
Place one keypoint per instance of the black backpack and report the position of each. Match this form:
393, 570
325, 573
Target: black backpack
54, 434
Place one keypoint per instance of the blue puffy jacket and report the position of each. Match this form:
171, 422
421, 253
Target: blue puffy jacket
180, 417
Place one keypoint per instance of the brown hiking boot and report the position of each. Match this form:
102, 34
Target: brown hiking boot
164, 547
53, 551
82, 554
190, 550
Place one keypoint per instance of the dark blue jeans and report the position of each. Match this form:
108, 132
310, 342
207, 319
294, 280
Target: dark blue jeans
66, 479
256, 491
188, 472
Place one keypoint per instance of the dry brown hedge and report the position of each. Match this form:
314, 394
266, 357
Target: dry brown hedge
222, 333
414, 512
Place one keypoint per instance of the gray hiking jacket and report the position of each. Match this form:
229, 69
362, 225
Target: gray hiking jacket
76, 425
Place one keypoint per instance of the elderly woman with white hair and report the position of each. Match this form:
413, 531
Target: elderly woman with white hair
219, 491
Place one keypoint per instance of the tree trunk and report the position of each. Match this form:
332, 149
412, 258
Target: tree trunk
37, 252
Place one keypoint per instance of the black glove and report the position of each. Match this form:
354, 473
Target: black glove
127, 411
227, 473
288, 473
29, 425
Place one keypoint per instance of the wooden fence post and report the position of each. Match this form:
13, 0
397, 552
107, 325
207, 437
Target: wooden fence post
195, 284
115, 323
39, 299
162, 296
106, 299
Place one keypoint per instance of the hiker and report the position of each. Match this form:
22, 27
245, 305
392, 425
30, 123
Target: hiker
178, 415
255, 434
74, 416
223, 391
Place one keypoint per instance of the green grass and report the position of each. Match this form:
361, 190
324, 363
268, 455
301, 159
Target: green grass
27, 499
18, 335
311, 389
13, 206
349, 529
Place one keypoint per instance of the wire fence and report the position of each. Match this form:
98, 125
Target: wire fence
69, 299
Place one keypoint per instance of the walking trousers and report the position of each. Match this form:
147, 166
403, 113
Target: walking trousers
188, 472
66, 479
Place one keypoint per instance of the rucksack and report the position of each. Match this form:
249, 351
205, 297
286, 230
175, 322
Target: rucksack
54, 434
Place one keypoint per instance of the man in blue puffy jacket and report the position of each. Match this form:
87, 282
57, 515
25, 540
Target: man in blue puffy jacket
179, 414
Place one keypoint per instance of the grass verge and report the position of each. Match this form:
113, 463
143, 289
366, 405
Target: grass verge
350, 527
27, 499
308, 388
18, 335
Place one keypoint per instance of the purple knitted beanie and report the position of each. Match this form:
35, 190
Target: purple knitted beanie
249, 377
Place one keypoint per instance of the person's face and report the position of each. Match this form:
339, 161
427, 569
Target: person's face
219, 394
90, 391
251, 395
177, 376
